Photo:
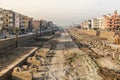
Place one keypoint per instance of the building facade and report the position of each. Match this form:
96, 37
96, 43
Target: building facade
30, 25
112, 21
50, 25
36, 25
43, 25
16, 20
23, 24
86, 24
98, 23
1, 18
8, 20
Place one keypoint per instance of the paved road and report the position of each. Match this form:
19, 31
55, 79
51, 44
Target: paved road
80, 68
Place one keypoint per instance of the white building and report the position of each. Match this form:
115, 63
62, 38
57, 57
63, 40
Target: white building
17, 20
98, 23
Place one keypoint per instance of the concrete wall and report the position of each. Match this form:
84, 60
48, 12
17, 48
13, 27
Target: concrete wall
10, 43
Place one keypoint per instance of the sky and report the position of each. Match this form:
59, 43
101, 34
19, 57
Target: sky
62, 12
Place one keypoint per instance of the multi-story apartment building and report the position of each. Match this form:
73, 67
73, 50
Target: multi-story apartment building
8, 20
112, 21
98, 23
86, 24
23, 24
16, 19
1, 18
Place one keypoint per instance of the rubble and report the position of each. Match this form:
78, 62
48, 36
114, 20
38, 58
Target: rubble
100, 48
34, 61
19, 74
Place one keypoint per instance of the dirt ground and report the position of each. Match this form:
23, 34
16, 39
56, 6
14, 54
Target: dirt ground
70, 63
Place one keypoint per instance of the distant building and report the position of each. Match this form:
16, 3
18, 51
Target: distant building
112, 21
50, 25
86, 24
43, 25
36, 24
97, 23
30, 26
24, 22
16, 20
1, 18
8, 20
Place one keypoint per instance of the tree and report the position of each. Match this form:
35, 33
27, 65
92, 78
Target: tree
16, 30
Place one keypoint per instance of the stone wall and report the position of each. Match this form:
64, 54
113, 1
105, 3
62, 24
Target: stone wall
109, 35
89, 32
10, 43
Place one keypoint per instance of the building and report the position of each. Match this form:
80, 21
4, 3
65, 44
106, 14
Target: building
43, 25
8, 20
1, 18
36, 25
86, 24
50, 25
112, 21
23, 24
30, 25
97, 23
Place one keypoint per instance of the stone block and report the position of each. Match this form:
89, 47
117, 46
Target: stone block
34, 61
18, 74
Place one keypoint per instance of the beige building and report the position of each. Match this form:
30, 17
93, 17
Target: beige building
86, 24
8, 20
24, 22
36, 24
1, 18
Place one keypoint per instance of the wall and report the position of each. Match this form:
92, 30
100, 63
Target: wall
109, 35
89, 32
10, 43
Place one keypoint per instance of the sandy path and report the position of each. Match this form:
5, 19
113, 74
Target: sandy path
60, 71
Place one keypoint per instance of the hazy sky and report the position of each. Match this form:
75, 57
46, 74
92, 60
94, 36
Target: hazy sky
62, 12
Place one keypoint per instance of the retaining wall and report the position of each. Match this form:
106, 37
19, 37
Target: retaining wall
8, 44
6, 74
89, 32
109, 35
